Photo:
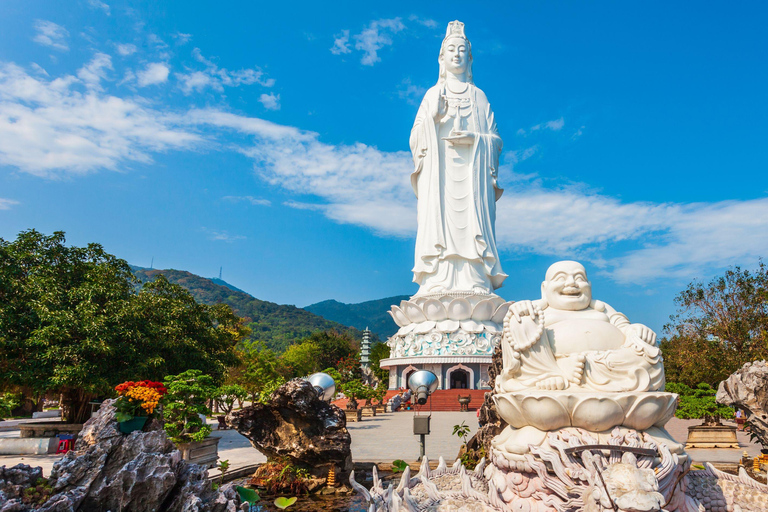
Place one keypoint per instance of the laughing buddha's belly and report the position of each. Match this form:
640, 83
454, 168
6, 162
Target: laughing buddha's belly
582, 335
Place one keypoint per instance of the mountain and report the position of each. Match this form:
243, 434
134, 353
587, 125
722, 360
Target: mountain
278, 326
372, 314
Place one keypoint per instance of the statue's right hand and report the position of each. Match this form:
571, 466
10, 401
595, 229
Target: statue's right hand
522, 308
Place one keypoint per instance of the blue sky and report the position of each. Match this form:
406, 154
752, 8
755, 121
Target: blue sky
271, 139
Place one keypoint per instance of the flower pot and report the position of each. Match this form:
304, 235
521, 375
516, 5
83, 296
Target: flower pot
135, 423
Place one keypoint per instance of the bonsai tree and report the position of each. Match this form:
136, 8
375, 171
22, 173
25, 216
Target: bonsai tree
378, 393
698, 403
188, 393
354, 389
227, 395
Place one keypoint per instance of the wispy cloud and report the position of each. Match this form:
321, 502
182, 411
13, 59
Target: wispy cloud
98, 4
427, 22
217, 78
48, 127
555, 125
256, 201
50, 34
341, 43
222, 236
411, 92
126, 49
154, 73
370, 40
6, 204
270, 101
182, 38
95, 71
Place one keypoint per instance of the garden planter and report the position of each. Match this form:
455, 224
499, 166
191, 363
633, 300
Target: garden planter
353, 414
204, 453
136, 423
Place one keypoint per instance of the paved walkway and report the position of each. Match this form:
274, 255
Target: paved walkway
387, 437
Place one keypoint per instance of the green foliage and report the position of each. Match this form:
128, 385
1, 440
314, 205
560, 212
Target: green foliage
228, 394
283, 503
379, 351
248, 495
73, 322
258, 371
300, 360
719, 326
281, 475
38, 494
187, 395
399, 465
470, 459
462, 431
698, 402
276, 326
8, 402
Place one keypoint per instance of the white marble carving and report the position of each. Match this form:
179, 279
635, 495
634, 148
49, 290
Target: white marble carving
567, 340
456, 146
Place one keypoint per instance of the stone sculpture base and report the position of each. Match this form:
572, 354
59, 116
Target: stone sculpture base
712, 436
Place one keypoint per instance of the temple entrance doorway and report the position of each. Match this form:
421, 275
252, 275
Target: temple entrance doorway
459, 379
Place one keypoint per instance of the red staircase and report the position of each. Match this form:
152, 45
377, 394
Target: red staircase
442, 399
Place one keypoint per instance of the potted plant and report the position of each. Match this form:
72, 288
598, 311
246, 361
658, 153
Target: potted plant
136, 401
378, 396
188, 394
353, 389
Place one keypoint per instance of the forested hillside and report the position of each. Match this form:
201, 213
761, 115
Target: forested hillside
372, 314
278, 326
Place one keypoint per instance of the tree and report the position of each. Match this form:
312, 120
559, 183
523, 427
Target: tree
258, 370
699, 402
378, 352
334, 346
73, 322
300, 360
719, 326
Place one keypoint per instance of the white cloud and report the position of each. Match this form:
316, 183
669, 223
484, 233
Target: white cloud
222, 236
126, 49
155, 73
98, 4
370, 40
95, 71
555, 125
182, 38
6, 204
50, 34
427, 22
341, 43
376, 36
255, 201
50, 127
216, 78
270, 101
411, 92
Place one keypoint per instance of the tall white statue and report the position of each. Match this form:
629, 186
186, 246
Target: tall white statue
456, 146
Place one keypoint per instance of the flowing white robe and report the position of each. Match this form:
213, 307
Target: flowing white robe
456, 239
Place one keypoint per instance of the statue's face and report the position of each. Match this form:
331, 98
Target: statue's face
456, 55
566, 286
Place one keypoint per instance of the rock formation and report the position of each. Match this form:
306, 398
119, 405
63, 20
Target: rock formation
141, 472
747, 389
297, 424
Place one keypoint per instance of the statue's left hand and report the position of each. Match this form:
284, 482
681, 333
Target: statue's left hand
644, 333
460, 138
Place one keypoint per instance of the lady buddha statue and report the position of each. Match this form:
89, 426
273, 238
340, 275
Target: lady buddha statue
456, 146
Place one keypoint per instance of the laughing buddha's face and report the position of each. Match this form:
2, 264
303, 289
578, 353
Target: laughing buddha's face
566, 286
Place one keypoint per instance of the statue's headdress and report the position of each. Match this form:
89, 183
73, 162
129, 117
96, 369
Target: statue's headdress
456, 29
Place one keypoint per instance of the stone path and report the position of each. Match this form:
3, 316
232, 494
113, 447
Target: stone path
388, 437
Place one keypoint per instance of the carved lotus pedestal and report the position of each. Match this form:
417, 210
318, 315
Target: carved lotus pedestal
532, 415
